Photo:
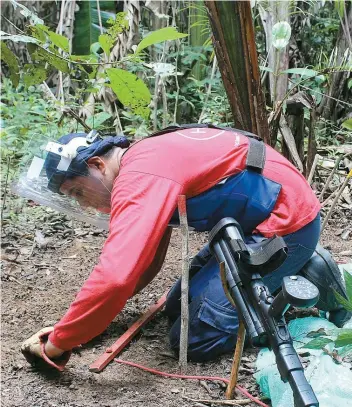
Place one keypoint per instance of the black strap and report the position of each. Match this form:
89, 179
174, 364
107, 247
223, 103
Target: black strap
238, 245
266, 251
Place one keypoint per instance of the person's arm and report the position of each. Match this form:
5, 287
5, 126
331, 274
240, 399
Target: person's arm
142, 206
157, 262
53, 352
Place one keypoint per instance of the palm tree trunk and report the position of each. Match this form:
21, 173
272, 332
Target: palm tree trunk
234, 43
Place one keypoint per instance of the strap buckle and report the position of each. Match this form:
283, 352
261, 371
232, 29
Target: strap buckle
256, 155
92, 136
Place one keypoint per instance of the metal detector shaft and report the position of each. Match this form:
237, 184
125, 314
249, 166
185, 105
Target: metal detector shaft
243, 307
254, 305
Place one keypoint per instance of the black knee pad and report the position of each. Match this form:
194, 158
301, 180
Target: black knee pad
323, 271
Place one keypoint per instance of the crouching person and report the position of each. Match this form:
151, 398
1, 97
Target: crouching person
223, 172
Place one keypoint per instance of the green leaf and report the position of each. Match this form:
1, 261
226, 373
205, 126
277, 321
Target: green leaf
93, 73
301, 71
317, 343
349, 84
281, 33
130, 90
106, 42
344, 338
340, 7
87, 28
98, 119
144, 112
51, 58
347, 275
347, 124
34, 74
164, 34
18, 38
43, 28
342, 300
59, 40
265, 68
11, 61
39, 32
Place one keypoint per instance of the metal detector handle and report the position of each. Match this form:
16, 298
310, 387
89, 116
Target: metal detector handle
291, 370
296, 291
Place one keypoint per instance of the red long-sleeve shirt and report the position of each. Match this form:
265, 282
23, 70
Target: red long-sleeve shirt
153, 173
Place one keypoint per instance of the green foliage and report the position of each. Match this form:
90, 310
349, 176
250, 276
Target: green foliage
135, 125
52, 58
118, 25
96, 121
164, 34
87, 30
130, 90
106, 42
34, 75
27, 121
47, 46
347, 124
319, 38
344, 338
317, 343
346, 303
302, 72
133, 78
340, 7
339, 337
11, 61
59, 40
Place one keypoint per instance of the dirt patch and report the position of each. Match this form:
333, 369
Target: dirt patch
40, 280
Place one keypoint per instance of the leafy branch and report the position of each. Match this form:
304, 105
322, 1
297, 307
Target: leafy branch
45, 46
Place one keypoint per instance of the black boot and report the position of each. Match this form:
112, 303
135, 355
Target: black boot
323, 271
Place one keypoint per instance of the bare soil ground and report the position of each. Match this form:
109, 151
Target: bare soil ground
39, 280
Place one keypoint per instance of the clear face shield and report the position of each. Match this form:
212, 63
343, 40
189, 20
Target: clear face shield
50, 173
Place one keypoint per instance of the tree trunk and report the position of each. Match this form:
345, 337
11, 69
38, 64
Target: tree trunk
234, 43
198, 35
278, 59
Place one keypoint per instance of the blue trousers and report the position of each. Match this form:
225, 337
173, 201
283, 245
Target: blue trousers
213, 321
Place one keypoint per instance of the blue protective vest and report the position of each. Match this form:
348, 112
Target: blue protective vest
248, 197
